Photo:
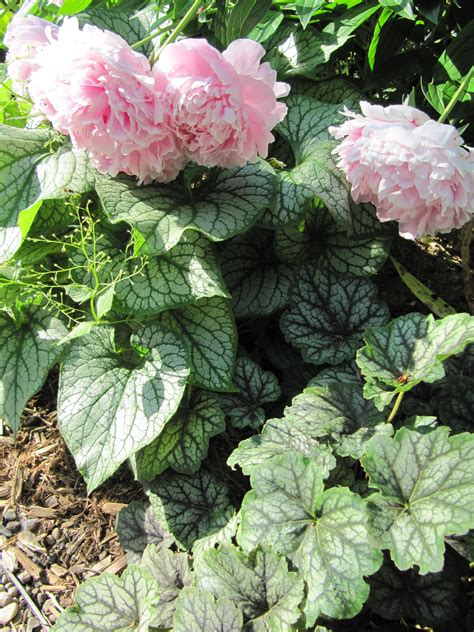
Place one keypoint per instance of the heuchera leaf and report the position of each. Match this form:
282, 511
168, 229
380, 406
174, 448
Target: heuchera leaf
256, 388
426, 491
28, 351
333, 90
228, 202
362, 252
171, 572
225, 535
184, 441
258, 283
259, 585
197, 611
110, 603
329, 314
137, 527
186, 273
190, 507
456, 404
324, 533
339, 413
428, 599
410, 350
208, 330
280, 436
305, 128
112, 405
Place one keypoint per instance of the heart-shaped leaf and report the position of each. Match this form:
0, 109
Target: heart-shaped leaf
258, 283
256, 388
324, 533
29, 350
137, 527
111, 405
111, 604
329, 314
184, 441
190, 507
410, 350
259, 585
361, 252
186, 273
426, 491
197, 610
225, 203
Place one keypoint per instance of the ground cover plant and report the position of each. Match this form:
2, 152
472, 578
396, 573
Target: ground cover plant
211, 216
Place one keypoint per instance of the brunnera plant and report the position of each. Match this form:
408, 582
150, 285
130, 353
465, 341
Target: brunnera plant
219, 320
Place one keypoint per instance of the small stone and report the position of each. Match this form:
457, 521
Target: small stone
8, 585
24, 577
42, 598
50, 540
4, 531
10, 514
32, 420
33, 624
13, 591
56, 533
31, 524
14, 526
5, 580
5, 599
8, 613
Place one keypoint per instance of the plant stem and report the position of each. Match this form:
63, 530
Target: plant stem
456, 96
187, 17
148, 38
396, 406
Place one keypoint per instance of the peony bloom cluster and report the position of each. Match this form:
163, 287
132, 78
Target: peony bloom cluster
196, 103
413, 169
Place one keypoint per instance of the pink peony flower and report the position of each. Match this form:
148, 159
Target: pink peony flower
413, 169
91, 85
223, 105
24, 38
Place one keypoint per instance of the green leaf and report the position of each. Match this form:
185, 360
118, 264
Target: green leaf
183, 275
228, 202
259, 585
329, 314
339, 412
428, 599
112, 405
190, 507
410, 350
258, 283
72, 7
209, 333
81, 329
340, 373
110, 603
456, 404
333, 90
401, 7
225, 535
184, 441
436, 304
171, 572
29, 350
292, 51
323, 532
197, 611
305, 9
137, 527
361, 252
256, 388
267, 26
31, 171
244, 16
79, 293
305, 128
12, 237
104, 301
384, 17
280, 436
426, 491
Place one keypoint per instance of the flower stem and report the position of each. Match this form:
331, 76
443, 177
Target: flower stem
148, 38
396, 406
456, 96
187, 17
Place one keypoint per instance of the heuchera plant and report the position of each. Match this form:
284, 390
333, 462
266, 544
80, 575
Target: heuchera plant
191, 229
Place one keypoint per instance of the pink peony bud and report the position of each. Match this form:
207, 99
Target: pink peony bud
223, 105
413, 169
24, 38
92, 86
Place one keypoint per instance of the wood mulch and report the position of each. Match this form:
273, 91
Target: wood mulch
53, 536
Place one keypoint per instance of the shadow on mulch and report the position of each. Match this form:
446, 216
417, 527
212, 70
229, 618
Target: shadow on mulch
52, 535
